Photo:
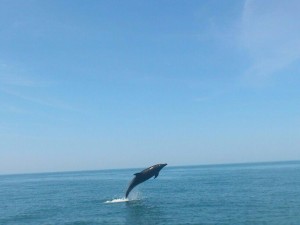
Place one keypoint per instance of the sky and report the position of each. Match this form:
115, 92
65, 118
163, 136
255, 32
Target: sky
88, 85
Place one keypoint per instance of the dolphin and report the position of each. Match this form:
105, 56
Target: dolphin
145, 175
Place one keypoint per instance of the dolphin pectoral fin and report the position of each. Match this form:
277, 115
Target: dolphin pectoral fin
156, 175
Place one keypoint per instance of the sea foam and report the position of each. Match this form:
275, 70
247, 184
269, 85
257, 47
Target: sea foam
135, 196
117, 200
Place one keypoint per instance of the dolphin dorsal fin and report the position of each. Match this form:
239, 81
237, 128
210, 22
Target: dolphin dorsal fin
136, 174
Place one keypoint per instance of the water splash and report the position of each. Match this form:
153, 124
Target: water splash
117, 200
135, 196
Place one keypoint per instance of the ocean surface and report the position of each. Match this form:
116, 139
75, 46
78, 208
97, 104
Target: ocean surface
262, 193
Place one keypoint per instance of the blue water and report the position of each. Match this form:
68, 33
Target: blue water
225, 194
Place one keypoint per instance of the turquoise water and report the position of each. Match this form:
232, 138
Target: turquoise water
225, 194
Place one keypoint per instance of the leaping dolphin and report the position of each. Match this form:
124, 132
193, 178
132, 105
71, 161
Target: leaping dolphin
145, 175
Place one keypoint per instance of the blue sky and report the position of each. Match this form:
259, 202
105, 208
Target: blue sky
116, 84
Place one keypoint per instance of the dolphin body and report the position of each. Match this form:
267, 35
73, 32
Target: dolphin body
145, 175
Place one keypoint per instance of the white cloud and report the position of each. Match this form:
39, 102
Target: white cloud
39, 100
270, 32
9, 79
14, 76
15, 82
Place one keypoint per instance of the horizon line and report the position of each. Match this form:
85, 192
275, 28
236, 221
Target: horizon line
172, 166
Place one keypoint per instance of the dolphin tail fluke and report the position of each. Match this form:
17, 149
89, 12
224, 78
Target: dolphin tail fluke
128, 191
130, 187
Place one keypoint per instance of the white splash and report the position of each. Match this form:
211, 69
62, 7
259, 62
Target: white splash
117, 200
135, 196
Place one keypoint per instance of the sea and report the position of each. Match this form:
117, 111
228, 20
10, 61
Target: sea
253, 193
